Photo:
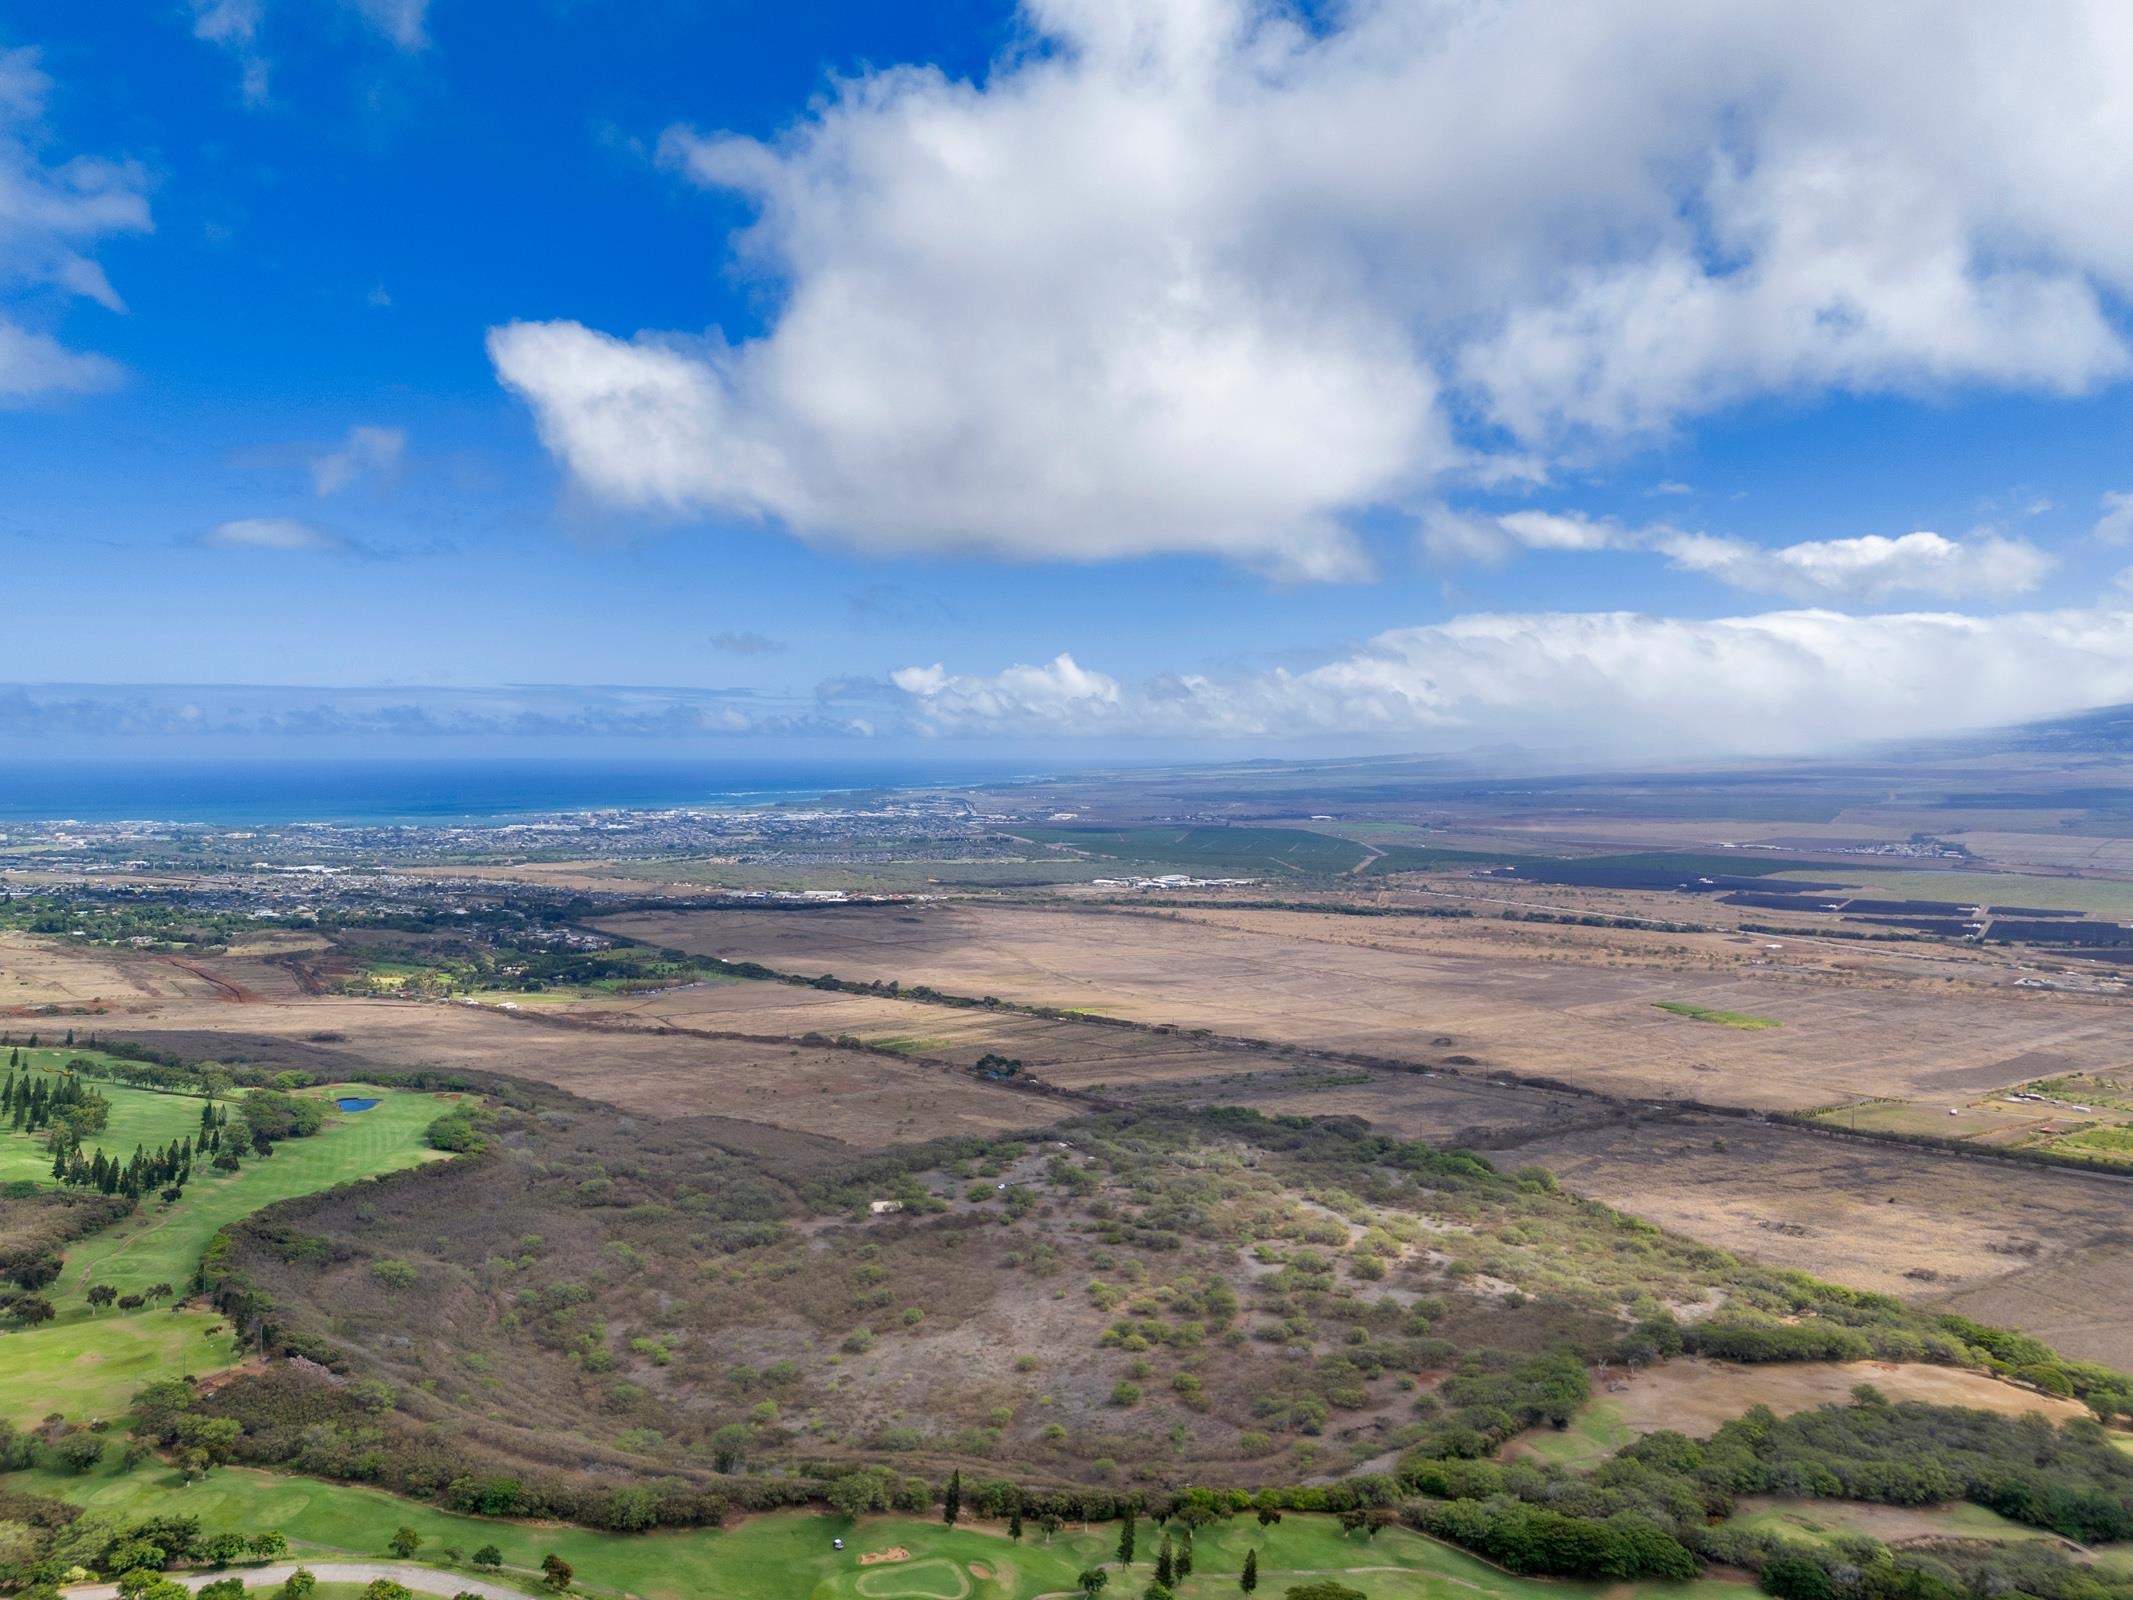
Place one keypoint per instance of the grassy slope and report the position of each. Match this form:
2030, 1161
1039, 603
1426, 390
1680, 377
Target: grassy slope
788, 1556
88, 1364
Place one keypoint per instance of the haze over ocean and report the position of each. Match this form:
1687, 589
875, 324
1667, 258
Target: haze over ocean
259, 793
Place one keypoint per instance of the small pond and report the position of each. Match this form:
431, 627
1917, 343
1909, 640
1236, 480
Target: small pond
352, 1104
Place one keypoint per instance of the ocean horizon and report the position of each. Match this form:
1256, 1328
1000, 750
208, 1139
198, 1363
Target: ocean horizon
469, 790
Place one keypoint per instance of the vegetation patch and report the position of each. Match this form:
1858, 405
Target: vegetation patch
1743, 1020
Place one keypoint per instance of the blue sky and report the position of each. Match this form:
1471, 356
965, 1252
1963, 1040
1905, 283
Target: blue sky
843, 368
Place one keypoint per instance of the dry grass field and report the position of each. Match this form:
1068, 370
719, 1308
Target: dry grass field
858, 1098
1419, 990
2046, 1251
43, 974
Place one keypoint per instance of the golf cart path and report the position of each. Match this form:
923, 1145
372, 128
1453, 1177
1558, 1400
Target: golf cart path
423, 1580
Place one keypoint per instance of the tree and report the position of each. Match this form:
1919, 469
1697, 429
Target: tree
1051, 1522
1325, 1589
386, 1589
37, 1271
1092, 1580
1125, 1539
101, 1295
952, 1501
1181, 1563
1248, 1579
556, 1572
78, 1452
224, 1548
1166, 1565
266, 1546
488, 1556
221, 1589
32, 1309
1014, 1520
404, 1542
299, 1584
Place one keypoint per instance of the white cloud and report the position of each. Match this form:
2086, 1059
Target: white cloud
235, 26
2115, 524
365, 450
285, 534
1864, 570
1193, 277
1867, 569
1616, 682
51, 214
746, 642
401, 21
34, 366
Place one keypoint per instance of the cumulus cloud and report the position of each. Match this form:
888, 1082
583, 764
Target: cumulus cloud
51, 214
287, 535
1195, 277
1780, 682
365, 450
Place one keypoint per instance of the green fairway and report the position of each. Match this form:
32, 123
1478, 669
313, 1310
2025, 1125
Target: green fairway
88, 1363
789, 1555
1725, 1019
92, 1369
163, 1244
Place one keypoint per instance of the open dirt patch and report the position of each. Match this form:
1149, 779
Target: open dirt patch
875, 1557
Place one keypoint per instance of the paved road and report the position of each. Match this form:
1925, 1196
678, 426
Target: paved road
423, 1580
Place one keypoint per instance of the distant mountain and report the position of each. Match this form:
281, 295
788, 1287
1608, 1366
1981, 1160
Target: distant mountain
2106, 732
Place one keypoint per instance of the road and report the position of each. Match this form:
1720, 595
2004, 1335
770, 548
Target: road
423, 1580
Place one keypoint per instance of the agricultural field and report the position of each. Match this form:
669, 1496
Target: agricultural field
2085, 1117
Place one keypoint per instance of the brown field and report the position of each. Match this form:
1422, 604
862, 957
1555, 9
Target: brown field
1394, 988
1697, 1397
858, 1098
1071, 1055
1907, 1222
1439, 1109
38, 973
2075, 1300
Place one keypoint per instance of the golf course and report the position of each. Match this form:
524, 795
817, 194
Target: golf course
86, 1362
792, 1555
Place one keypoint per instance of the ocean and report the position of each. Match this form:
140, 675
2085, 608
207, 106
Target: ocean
263, 793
